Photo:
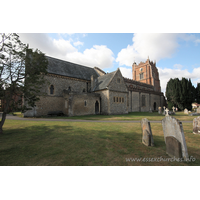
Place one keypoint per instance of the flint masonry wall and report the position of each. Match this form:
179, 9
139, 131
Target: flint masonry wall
60, 83
135, 101
118, 102
83, 104
104, 106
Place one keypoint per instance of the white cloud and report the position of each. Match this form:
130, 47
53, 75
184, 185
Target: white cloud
78, 43
98, 55
154, 45
52, 47
178, 66
126, 72
166, 73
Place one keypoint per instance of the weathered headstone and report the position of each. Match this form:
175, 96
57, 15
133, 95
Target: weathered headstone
186, 111
164, 112
173, 128
159, 110
150, 110
173, 108
198, 110
196, 125
147, 137
173, 147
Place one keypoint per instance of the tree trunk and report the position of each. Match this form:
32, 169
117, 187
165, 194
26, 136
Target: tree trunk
3, 118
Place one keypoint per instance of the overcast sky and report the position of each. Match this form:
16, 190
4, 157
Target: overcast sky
176, 54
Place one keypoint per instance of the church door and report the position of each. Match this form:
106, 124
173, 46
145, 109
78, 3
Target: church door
97, 107
154, 105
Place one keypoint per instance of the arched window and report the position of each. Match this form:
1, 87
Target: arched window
51, 89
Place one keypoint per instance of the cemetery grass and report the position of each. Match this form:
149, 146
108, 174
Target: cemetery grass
133, 116
48, 143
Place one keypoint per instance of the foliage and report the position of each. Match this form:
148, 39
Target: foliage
21, 71
181, 93
198, 93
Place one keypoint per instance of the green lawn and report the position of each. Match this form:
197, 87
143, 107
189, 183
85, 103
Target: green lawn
136, 116
51, 143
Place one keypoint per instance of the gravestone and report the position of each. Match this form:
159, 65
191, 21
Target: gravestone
159, 110
164, 112
173, 108
196, 125
147, 137
167, 112
173, 128
173, 147
186, 111
150, 110
198, 110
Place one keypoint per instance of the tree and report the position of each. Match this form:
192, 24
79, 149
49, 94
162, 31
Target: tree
198, 93
22, 71
180, 93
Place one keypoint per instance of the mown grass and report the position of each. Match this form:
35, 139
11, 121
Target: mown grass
136, 116
43, 143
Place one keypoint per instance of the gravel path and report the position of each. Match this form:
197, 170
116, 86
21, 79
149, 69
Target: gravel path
78, 120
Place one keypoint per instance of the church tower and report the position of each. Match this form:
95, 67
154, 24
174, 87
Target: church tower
146, 72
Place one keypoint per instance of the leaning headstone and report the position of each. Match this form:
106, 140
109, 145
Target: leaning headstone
147, 137
186, 111
196, 125
159, 110
198, 110
173, 128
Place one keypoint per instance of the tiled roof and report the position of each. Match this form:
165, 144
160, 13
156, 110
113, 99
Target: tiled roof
64, 68
103, 81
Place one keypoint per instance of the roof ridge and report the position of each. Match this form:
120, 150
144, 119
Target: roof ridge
112, 76
69, 62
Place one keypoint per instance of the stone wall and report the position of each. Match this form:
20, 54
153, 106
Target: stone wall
60, 83
145, 107
118, 102
134, 101
105, 106
155, 99
117, 83
45, 105
83, 104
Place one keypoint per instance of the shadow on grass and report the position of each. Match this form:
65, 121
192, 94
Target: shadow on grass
74, 145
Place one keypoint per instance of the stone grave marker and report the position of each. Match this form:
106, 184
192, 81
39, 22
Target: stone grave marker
173, 128
147, 137
173, 147
186, 111
198, 110
159, 110
196, 125
167, 112
173, 108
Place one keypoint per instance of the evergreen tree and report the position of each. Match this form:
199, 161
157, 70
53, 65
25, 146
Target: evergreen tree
198, 93
180, 93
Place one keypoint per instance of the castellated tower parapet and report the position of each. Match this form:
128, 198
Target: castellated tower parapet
147, 72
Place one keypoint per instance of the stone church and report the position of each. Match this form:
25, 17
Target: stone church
74, 90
